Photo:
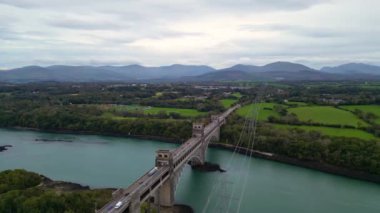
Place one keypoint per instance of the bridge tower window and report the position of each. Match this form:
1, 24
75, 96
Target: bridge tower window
198, 129
163, 158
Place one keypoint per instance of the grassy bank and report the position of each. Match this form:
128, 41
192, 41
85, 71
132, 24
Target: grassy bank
264, 111
327, 115
335, 132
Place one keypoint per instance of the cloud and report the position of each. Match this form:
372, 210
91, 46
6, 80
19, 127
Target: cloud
236, 4
18, 3
7, 34
317, 32
267, 5
159, 32
80, 24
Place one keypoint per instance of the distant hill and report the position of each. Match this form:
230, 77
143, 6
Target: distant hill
229, 75
223, 75
284, 71
273, 67
103, 73
353, 68
59, 73
278, 71
242, 67
285, 67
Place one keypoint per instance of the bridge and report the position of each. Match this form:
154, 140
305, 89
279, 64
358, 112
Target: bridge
159, 183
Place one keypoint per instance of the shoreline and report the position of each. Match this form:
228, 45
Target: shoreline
143, 137
319, 166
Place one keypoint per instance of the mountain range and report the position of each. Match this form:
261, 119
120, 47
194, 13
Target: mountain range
353, 68
278, 71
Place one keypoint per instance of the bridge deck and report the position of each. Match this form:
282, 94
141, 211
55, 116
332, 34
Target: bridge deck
147, 183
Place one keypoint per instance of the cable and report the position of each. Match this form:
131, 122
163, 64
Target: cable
249, 136
248, 128
251, 139
249, 165
229, 161
251, 133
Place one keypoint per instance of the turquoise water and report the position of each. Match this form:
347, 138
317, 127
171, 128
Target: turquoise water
100, 161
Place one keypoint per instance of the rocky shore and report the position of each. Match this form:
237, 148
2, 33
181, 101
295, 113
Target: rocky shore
4, 147
61, 185
208, 167
53, 140
146, 137
177, 208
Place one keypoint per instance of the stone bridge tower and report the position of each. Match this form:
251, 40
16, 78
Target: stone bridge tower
166, 193
200, 156
198, 130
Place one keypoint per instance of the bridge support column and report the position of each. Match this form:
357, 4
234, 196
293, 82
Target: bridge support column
202, 153
135, 206
216, 136
200, 156
165, 194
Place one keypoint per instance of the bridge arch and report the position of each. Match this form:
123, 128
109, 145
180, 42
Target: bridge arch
195, 160
214, 138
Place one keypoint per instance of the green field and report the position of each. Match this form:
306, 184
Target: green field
296, 103
330, 131
264, 110
278, 85
183, 99
374, 86
228, 102
327, 115
109, 115
237, 94
375, 109
126, 107
156, 110
183, 112
158, 94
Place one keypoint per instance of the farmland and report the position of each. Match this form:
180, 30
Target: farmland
346, 123
327, 122
296, 103
237, 94
374, 109
112, 116
331, 131
228, 102
231, 100
327, 115
156, 110
183, 112
264, 111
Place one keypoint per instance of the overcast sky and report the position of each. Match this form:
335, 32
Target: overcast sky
218, 33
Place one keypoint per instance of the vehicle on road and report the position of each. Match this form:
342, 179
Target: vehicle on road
118, 204
151, 172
